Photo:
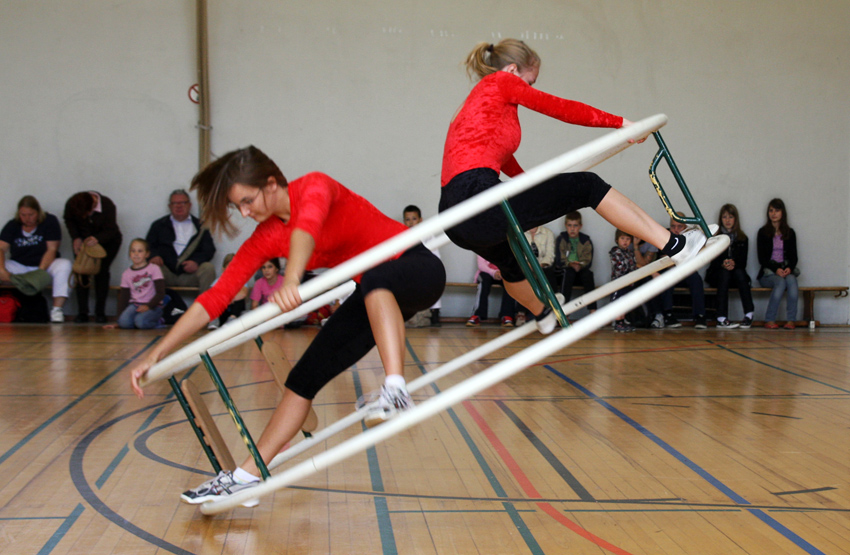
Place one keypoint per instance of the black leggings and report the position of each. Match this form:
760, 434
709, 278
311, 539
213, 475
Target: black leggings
416, 279
487, 233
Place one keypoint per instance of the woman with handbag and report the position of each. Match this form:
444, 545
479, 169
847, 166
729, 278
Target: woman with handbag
777, 250
91, 220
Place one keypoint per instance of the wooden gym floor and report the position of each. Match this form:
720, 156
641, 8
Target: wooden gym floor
655, 442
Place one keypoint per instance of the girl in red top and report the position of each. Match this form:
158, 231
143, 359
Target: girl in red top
481, 142
314, 222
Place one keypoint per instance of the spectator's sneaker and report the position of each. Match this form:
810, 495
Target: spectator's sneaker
657, 322
623, 327
771, 326
213, 325
699, 322
746, 323
473, 322
670, 321
789, 325
219, 487
694, 241
390, 402
57, 316
727, 324
520, 319
507, 322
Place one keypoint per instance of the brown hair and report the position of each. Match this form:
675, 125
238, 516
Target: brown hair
487, 58
784, 228
620, 233
732, 210
247, 166
575, 216
79, 206
31, 202
142, 242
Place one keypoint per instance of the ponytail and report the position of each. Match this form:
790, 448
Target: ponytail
488, 58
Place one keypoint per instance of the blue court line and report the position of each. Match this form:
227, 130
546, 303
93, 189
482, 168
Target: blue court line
385, 525
62, 530
779, 368
758, 513
512, 511
72, 404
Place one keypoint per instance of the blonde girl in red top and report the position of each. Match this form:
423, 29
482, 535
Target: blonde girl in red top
482, 139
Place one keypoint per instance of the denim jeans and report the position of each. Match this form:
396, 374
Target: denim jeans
132, 318
780, 286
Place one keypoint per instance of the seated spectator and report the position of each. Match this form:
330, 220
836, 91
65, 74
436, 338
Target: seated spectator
485, 276
573, 257
542, 243
265, 286
777, 250
663, 303
142, 291
622, 262
181, 246
236, 306
412, 216
730, 270
30, 242
91, 220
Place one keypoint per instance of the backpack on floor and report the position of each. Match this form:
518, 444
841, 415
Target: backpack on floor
8, 307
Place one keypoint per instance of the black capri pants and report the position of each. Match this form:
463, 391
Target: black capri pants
416, 279
487, 233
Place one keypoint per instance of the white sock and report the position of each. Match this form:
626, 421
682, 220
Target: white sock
396, 381
243, 476
721, 319
749, 315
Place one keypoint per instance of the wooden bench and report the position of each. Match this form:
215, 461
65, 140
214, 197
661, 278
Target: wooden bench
806, 292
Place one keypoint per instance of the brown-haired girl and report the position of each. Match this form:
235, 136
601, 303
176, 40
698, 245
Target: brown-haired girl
314, 222
777, 250
730, 270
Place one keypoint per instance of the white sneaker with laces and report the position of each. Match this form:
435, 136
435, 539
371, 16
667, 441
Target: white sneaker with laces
694, 241
219, 487
390, 402
57, 316
657, 322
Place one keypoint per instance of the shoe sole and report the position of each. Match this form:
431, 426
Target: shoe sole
201, 500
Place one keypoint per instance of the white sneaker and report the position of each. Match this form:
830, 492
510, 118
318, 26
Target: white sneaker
57, 316
219, 487
546, 320
658, 322
694, 241
390, 402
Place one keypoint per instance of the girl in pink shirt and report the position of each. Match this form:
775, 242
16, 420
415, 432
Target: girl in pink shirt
265, 288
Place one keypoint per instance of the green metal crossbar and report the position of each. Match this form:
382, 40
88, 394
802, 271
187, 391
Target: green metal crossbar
234, 413
530, 266
187, 410
664, 153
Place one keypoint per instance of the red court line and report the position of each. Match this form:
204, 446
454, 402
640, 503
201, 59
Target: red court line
529, 489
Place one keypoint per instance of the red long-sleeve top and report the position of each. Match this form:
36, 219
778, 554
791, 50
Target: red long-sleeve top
486, 132
342, 223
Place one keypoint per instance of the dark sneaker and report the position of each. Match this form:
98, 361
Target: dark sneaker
219, 487
623, 327
746, 323
81, 319
699, 322
670, 321
473, 322
390, 402
727, 324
